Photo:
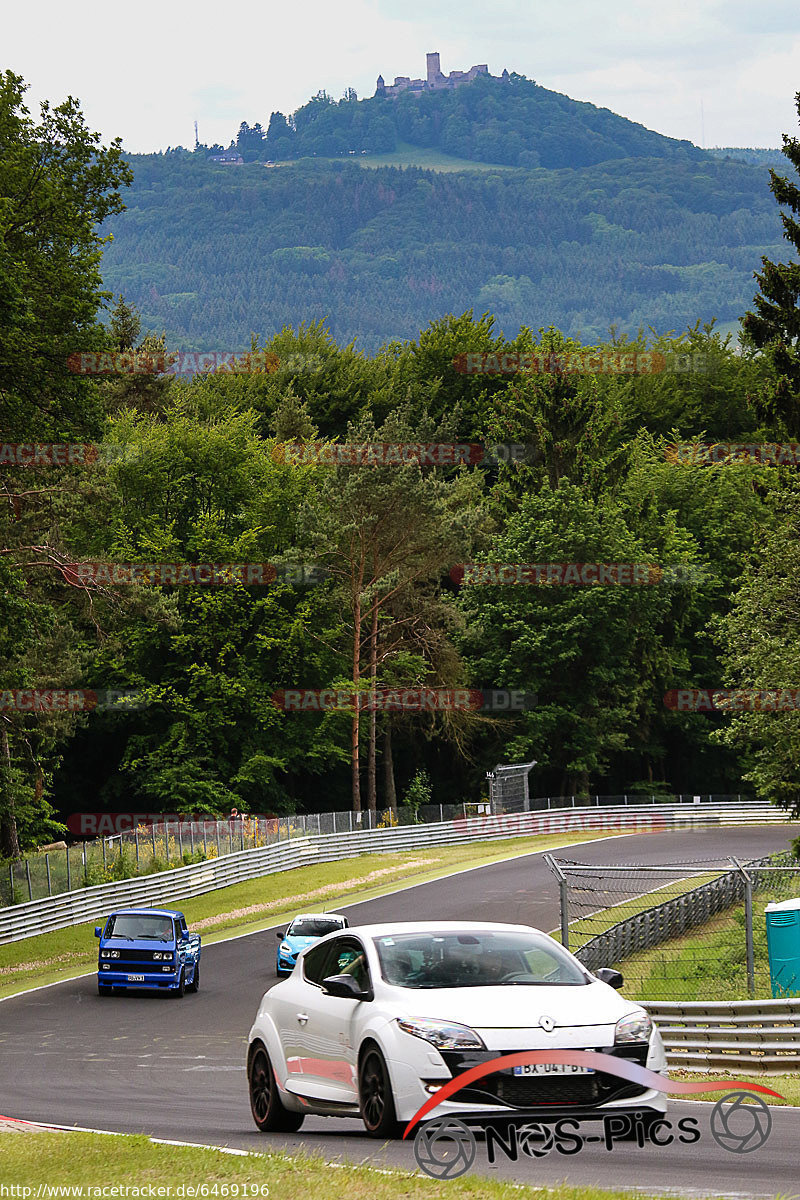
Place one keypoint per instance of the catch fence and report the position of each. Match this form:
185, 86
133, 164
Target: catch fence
680, 932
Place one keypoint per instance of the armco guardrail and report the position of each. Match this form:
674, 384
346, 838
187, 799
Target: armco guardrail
761, 1035
72, 908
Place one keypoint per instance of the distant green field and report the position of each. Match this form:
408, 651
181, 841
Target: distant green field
407, 155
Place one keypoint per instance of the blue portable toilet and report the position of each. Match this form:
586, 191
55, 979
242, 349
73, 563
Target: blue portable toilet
783, 946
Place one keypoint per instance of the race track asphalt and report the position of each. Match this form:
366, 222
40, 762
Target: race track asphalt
175, 1068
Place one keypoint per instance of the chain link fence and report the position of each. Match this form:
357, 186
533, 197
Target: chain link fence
160, 846
692, 930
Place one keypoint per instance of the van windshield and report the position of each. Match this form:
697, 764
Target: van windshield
134, 926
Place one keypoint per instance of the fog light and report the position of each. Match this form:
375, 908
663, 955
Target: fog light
432, 1088
106, 967
166, 968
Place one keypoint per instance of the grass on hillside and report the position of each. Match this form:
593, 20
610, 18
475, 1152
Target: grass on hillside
34, 1159
406, 155
787, 1085
262, 902
708, 961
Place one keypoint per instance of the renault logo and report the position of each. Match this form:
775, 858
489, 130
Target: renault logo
547, 1024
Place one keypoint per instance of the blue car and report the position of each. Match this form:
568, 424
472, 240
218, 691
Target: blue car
304, 930
147, 948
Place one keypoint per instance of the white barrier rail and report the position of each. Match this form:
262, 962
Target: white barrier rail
72, 908
750, 1035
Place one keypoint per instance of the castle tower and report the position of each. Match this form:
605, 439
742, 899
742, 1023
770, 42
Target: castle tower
381, 88
434, 70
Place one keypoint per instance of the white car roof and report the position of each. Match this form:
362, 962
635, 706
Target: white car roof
388, 928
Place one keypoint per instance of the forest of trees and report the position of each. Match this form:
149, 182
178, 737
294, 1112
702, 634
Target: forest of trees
209, 253
202, 479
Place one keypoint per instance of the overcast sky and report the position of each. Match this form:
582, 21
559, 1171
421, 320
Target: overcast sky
719, 72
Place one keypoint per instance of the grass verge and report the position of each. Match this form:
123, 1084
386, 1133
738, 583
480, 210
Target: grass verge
787, 1085
707, 961
30, 1160
268, 900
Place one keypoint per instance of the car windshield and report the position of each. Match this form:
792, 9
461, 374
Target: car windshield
139, 925
479, 958
312, 927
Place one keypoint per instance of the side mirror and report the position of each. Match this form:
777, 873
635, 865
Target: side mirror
98, 930
610, 976
345, 987
279, 935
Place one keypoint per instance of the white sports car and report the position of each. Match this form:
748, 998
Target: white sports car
374, 1020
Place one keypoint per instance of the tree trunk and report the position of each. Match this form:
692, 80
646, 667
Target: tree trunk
388, 766
354, 737
9, 840
372, 797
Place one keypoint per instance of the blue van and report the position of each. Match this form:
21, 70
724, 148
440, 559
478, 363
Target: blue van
147, 948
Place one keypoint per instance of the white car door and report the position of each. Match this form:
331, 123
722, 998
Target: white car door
322, 1042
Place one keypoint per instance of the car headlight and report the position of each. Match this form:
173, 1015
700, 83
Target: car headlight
115, 953
156, 955
286, 948
105, 954
636, 1027
444, 1035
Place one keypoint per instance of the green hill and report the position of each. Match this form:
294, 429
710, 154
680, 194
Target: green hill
210, 253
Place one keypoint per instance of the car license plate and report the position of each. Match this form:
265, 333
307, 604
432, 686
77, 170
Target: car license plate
136, 979
552, 1069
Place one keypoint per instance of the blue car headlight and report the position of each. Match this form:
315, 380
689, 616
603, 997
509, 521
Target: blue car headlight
286, 948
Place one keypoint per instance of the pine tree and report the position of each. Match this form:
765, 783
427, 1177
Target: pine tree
774, 327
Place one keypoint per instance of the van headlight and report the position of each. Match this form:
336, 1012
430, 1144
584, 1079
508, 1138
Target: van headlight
444, 1035
636, 1027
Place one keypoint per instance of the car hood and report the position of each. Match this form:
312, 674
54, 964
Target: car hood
136, 944
516, 1007
300, 943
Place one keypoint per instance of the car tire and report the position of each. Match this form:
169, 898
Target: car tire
268, 1111
375, 1098
194, 986
180, 990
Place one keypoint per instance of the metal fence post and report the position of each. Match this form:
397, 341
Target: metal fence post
69, 876
28, 874
166, 839
11, 881
219, 849
47, 868
136, 843
748, 928
153, 827
84, 863
104, 854
180, 838
563, 887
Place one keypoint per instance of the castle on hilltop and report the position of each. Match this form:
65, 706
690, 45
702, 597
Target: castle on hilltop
435, 82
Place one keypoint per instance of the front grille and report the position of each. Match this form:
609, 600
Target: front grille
523, 1091
137, 956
